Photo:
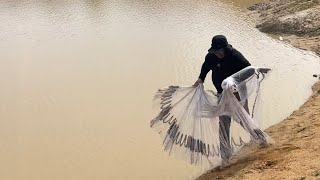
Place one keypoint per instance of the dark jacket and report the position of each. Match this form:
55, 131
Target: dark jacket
233, 62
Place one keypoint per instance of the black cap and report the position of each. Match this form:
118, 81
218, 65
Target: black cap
218, 42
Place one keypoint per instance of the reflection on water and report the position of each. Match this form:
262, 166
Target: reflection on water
77, 79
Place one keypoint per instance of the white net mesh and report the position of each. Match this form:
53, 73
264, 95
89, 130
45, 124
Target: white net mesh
205, 129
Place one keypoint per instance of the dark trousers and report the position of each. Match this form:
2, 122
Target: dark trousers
224, 134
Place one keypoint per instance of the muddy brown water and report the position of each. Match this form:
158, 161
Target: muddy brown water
77, 80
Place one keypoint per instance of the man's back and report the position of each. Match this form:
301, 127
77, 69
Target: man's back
232, 62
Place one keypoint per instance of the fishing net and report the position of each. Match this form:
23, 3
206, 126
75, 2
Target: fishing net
208, 129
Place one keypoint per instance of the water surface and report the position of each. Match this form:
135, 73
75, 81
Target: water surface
77, 80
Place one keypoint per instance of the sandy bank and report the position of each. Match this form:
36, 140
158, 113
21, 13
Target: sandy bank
297, 21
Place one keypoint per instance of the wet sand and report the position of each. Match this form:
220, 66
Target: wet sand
295, 153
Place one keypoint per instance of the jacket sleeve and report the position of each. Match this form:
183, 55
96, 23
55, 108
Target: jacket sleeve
240, 61
204, 69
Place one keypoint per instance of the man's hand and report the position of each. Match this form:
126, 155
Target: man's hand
263, 70
197, 83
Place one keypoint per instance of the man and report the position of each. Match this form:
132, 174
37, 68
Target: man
223, 60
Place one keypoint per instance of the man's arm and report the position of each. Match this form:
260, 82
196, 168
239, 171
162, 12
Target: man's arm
205, 68
240, 61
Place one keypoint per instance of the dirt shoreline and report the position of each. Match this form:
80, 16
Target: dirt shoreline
296, 152
294, 21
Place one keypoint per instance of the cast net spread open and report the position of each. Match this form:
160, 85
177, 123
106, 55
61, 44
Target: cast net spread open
194, 123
